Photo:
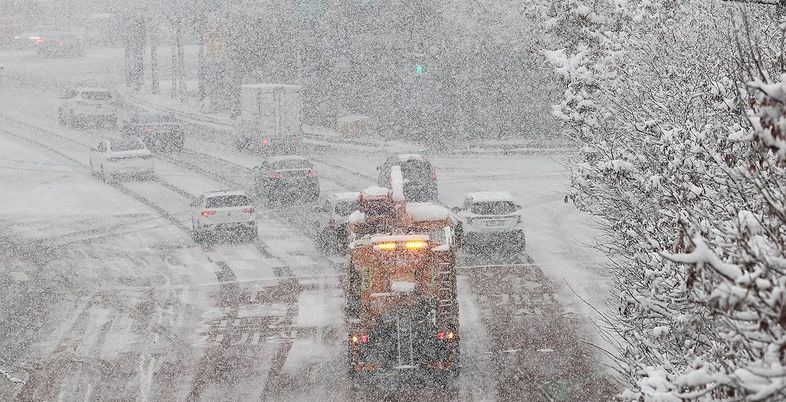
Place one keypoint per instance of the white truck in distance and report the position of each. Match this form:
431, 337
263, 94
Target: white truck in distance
270, 118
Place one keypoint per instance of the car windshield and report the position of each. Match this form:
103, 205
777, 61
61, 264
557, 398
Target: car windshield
285, 164
126, 145
148, 118
96, 95
344, 208
493, 208
415, 169
227, 201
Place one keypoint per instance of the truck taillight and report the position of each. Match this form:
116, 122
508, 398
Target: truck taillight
359, 339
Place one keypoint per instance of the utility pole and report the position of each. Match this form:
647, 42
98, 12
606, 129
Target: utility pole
154, 85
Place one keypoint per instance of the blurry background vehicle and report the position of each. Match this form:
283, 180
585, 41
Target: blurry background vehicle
121, 157
491, 219
335, 212
82, 104
60, 44
229, 211
286, 178
159, 131
420, 178
270, 118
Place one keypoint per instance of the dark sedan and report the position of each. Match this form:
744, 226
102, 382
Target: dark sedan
159, 132
286, 178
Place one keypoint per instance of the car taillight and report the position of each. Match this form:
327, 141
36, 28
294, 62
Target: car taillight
433, 174
276, 175
247, 210
446, 335
312, 173
82, 103
359, 339
38, 42
208, 214
266, 141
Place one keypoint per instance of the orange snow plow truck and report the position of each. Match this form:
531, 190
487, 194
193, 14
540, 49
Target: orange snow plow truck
401, 307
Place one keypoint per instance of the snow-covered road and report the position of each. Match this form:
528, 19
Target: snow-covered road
106, 296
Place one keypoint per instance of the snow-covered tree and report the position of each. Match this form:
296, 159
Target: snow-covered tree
678, 110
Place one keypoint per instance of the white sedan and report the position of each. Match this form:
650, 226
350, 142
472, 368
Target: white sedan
229, 211
121, 157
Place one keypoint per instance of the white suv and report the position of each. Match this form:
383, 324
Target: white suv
491, 218
82, 104
230, 211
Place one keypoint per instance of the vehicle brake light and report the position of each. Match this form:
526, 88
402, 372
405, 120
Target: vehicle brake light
38, 42
266, 141
312, 173
82, 103
276, 175
247, 210
415, 245
433, 174
385, 246
446, 335
208, 214
359, 339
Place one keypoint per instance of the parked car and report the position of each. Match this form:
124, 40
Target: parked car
59, 44
285, 178
227, 211
335, 212
420, 177
81, 105
492, 219
159, 131
113, 158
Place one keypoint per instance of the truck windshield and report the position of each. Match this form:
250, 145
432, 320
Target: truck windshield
345, 208
493, 208
227, 201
